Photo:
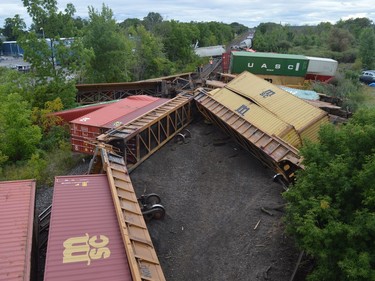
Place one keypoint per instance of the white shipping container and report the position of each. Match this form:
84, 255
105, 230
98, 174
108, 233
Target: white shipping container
322, 66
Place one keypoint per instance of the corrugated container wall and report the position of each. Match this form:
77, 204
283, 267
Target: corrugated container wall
17, 209
269, 64
85, 129
71, 114
257, 116
283, 80
84, 241
285, 106
322, 69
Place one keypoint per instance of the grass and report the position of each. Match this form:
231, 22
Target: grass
369, 94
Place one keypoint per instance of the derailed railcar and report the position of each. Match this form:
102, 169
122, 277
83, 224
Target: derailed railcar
18, 231
305, 118
267, 121
86, 128
84, 240
256, 115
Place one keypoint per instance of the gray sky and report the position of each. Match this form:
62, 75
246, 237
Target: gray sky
249, 13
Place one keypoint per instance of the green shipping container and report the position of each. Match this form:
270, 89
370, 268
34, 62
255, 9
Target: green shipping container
269, 64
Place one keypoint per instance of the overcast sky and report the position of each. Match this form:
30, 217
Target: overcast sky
249, 13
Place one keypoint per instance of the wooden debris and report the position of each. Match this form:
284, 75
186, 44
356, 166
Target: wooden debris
256, 226
266, 211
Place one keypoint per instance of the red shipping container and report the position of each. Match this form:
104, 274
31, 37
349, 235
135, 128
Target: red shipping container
17, 239
71, 114
85, 129
84, 241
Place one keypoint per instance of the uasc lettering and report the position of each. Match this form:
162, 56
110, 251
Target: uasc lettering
276, 66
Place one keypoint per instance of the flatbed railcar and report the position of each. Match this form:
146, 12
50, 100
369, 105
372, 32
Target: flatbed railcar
87, 237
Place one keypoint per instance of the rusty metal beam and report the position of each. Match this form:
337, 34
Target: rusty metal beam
142, 258
158, 87
140, 138
270, 150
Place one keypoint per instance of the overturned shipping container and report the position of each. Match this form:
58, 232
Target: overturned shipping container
85, 129
305, 118
257, 116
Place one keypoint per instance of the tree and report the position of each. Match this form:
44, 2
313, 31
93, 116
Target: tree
112, 50
355, 26
51, 56
134, 22
151, 20
55, 51
340, 39
178, 43
331, 208
367, 48
148, 54
13, 27
19, 138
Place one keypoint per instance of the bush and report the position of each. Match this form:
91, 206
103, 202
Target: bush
331, 208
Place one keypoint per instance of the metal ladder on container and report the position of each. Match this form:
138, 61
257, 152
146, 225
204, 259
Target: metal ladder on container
143, 261
151, 130
127, 130
271, 150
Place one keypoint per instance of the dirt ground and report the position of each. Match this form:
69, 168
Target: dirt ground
214, 229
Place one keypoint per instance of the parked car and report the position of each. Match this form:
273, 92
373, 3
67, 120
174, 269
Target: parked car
367, 76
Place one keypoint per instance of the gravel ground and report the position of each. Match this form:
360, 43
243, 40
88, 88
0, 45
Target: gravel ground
214, 229
213, 192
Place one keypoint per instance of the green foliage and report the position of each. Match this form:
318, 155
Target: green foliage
42, 166
53, 137
13, 27
152, 20
340, 39
331, 210
148, 55
367, 48
19, 137
355, 26
238, 28
45, 92
34, 168
112, 51
178, 41
50, 56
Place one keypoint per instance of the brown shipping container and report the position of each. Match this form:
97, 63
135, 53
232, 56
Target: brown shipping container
304, 117
84, 241
17, 209
88, 127
257, 116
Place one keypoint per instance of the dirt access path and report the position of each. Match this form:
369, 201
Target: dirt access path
213, 192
